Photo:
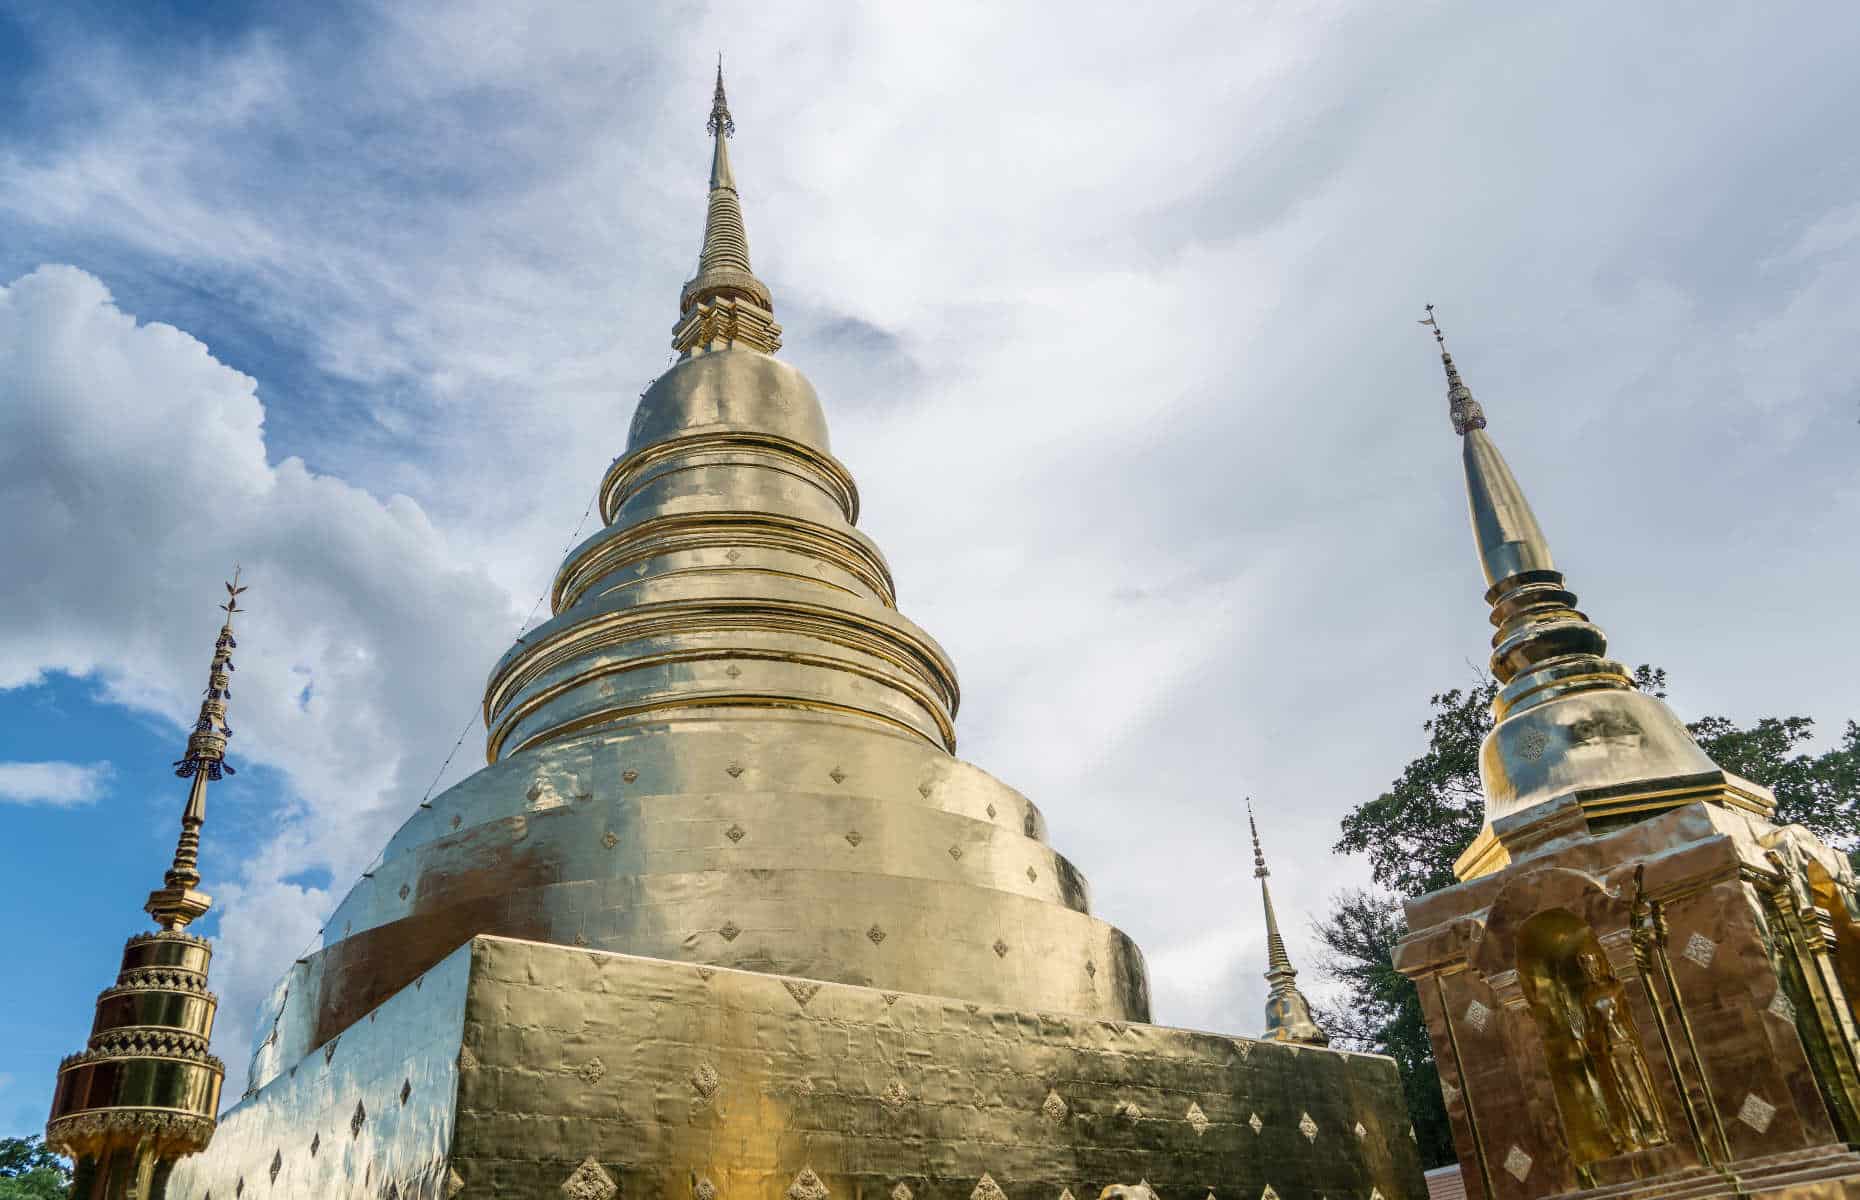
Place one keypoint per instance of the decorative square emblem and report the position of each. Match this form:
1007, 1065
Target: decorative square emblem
1197, 1120
1518, 1163
1256, 1123
1359, 1131
1449, 1092
1308, 1127
1478, 1016
1782, 1008
1700, 949
1757, 1112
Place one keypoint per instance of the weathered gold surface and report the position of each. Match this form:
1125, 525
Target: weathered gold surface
680, 1081
1643, 986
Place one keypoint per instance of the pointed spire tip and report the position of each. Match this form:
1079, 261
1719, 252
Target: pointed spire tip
1462, 409
720, 125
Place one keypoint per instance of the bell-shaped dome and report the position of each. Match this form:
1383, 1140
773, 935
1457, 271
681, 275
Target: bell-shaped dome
729, 390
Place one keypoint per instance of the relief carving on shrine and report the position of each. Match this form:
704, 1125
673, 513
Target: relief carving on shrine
1541, 944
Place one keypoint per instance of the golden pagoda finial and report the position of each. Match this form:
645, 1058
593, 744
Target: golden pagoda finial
720, 124
1461, 407
1288, 1013
177, 903
724, 305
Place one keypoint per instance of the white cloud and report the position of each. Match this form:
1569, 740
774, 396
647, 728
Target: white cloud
134, 470
58, 784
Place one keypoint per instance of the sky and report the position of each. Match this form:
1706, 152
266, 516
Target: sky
1114, 321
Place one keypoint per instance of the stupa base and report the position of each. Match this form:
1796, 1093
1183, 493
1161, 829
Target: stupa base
523, 1069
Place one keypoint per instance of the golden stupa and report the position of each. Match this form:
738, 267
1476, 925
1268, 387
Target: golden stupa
1642, 986
724, 917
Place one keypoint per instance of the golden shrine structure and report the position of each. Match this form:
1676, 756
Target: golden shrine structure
1642, 986
725, 918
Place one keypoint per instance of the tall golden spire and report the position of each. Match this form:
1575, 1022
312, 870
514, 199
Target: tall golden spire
176, 903
1288, 1013
145, 1090
724, 304
1536, 618
1569, 720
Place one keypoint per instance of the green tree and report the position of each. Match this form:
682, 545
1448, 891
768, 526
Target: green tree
1413, 832
1381, 1010
28, 1171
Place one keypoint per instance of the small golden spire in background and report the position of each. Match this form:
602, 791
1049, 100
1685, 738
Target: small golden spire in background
1288, 1013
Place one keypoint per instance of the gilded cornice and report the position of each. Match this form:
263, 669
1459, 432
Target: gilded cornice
616, 550
744, 700
630, 472
880, 633
883, 638
930, 703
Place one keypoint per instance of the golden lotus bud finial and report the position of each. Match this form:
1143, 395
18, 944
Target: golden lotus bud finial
1259, 856
720, 124
1461, 407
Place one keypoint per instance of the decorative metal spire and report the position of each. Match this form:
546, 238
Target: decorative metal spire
720, 125
1509, 538
177, 903
1288, 1013
724, 305
145, 1089
1461, 407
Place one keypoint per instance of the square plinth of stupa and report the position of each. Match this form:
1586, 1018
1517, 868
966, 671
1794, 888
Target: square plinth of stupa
524, 1069
1659, 1009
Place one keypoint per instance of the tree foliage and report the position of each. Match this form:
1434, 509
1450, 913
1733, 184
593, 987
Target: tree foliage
1381, 1011
1413, 832
28, 1171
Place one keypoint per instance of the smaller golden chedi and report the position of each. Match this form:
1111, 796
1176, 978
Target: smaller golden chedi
1288, 1013
145, 1091
1642, 984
